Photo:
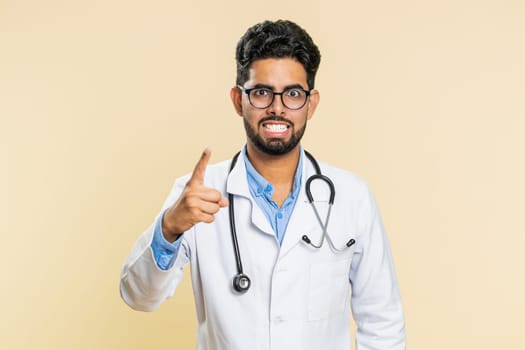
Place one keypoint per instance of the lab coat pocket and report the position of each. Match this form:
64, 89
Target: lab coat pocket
329, 289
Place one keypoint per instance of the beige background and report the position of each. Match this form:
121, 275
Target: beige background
104, 103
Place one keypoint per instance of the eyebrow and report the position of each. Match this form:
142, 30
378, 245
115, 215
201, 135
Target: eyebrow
270, 87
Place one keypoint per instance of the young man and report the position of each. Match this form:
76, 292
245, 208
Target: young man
272, 261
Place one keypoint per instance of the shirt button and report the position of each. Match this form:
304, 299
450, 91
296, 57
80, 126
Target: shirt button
268, 188
279, 215
259, 190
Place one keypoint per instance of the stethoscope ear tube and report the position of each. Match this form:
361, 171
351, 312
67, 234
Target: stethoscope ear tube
326, 180
350, 243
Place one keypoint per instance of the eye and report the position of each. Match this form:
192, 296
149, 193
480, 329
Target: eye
295, 93
261, 92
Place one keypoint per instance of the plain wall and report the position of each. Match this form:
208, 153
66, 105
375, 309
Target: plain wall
104, 103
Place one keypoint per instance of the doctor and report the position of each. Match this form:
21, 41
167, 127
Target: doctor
300, 292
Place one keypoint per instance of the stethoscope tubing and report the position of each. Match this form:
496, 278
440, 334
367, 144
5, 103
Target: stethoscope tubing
241, 282
324, 226
233, 231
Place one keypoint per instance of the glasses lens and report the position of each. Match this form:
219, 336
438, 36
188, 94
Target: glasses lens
294, 98
261, 98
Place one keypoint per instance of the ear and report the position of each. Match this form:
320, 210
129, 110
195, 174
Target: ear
236, 97
313, 101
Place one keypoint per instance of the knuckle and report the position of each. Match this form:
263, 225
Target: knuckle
194, 212
189, 191
208, 219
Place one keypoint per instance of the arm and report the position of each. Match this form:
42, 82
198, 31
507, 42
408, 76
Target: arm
164, 252
153, 270
376, 302
143, 285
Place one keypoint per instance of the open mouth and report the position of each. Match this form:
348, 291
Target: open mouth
275, 127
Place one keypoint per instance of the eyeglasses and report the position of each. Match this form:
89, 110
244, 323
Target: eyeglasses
291, 98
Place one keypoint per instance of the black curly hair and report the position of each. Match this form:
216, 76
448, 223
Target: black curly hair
277, 39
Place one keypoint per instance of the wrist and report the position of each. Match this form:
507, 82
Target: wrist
170, 233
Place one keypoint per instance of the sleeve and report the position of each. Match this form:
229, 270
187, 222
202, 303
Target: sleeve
144, 286
164, 252
376, 302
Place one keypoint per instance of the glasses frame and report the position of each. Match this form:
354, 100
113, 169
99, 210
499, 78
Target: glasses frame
247, 91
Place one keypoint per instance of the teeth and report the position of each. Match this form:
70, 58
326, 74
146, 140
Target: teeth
276, 127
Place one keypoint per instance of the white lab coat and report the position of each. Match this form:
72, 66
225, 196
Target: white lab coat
300, 296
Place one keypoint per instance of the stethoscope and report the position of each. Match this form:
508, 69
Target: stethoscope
241, 282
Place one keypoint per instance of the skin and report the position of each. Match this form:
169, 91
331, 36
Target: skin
199, 203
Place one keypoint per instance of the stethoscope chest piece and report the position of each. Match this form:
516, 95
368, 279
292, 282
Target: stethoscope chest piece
241, 283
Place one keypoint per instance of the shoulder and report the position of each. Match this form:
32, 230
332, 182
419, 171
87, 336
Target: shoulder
345, 181
342, 175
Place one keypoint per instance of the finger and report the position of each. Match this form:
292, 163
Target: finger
207, 218
200, 168
223, 202
209, 194
209, 207
214, 196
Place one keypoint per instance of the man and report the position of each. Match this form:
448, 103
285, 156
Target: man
284, 281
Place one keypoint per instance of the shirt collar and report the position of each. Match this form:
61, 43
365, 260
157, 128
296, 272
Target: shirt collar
260, 186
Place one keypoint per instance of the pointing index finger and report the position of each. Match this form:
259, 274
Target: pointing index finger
200, 168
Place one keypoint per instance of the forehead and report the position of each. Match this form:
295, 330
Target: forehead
277, 73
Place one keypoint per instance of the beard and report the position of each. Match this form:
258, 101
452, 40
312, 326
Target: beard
274, 146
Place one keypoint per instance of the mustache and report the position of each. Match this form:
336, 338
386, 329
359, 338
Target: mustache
275, 119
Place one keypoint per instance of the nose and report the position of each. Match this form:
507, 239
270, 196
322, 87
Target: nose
277, 107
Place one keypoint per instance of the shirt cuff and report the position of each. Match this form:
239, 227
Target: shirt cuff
164, 252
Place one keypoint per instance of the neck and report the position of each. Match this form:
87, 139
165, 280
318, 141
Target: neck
278, 170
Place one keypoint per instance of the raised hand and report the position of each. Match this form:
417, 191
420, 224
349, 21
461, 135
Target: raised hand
197, 203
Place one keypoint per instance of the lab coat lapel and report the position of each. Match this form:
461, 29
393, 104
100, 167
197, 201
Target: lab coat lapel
238, 186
